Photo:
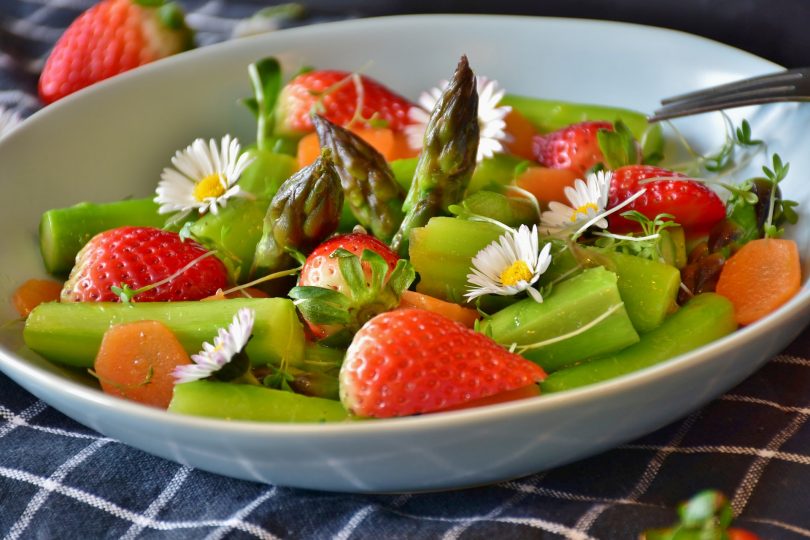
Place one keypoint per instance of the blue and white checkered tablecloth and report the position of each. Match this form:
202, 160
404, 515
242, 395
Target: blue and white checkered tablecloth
59, 479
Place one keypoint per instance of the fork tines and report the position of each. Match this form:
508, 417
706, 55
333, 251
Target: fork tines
790, 85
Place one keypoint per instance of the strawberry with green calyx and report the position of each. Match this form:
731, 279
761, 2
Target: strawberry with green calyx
109, 38
574, 147
706, 516
346, 99
583, 146
412, 361
353, 290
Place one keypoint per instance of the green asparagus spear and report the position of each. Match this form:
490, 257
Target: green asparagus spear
71, 333
63, 231
248, 402
305, 210
448, 156
372, 193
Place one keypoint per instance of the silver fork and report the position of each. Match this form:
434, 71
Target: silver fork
789, 85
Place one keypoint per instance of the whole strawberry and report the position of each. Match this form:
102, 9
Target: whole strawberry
694, 206
321, 269
346, 281
412, 361
334, 95
109, 38
138, 257
574, 147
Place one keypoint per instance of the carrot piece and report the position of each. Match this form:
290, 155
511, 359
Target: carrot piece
413, 299
522, 132
33, 293
547, 184
760, 277
510, 395
392, 145
382, 139
309, 148
136, 361
401, 149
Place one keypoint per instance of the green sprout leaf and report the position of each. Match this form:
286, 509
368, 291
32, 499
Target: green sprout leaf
618, 146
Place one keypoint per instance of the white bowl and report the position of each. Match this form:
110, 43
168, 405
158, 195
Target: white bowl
112, 141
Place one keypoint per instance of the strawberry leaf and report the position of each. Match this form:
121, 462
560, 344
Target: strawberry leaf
320, 305
352, 271
619, 147
402, 277
379, 269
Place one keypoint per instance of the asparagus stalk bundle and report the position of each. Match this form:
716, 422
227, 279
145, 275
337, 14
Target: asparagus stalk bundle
448, 156
371, 191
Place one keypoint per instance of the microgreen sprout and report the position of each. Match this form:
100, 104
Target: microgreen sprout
776, 174
723, 160
646, 244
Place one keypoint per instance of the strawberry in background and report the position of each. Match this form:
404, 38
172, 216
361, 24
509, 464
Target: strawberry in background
335, 95
112, 37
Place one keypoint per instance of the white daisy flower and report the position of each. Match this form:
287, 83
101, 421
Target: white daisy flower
588, 200
204, 179
509, 265
8, 121
491, 121
227, 344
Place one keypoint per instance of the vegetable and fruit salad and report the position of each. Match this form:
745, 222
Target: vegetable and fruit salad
371, 257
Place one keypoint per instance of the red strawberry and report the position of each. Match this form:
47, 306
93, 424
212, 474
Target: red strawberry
109, 38
574, 147
412, 361
331, 302
321, 270
333, 95
695, 207
141, 256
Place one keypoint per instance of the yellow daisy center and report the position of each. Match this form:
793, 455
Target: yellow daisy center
584, 210
517, 272
210, 186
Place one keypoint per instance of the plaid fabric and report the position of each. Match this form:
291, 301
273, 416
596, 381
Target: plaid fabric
59, 479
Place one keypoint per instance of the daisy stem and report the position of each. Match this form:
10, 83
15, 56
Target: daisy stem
605, 214
129, 294
529, 195
582, 329
625, 237
262, 279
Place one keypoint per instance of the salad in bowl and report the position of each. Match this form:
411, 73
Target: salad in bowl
370, 257
304, 268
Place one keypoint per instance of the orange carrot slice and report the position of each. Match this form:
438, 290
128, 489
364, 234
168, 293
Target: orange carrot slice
309, 148
33, 293
392, 145
413, 299
522, 132
547, 184
401, 149
760, 277
136, 361
510, 395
